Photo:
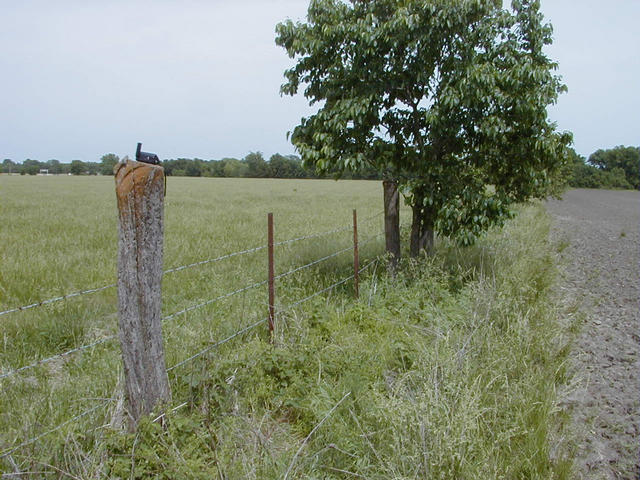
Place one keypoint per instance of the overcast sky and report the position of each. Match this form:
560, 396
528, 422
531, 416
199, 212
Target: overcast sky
80, 78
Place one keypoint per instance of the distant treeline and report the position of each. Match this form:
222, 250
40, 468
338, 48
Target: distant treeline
618, 167
253, 166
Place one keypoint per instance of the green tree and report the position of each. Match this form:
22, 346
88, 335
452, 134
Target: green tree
107, 162
581, 174
54, 166
234, 168
447, 96
9, 166
31, 167
285, 166
257, 167
625, 158
77, 167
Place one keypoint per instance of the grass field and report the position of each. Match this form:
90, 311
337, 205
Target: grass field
447, 371
59, 236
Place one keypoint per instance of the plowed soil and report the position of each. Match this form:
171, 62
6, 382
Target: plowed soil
602, 276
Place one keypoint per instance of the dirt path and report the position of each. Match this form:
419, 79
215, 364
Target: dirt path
603, 276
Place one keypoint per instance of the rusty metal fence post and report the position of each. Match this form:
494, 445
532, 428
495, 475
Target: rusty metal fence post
356, 260
271, 276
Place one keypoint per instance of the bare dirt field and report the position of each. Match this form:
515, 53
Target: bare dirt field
602, 277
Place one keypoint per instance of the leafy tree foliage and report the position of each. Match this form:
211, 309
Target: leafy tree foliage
257, 166
235, 168
447, 96
9, 166
30, 167
622, 158
78, 167
590, 174
107, 162
54, 167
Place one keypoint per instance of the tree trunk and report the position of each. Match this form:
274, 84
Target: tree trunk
140, 194
392, 221
422, 236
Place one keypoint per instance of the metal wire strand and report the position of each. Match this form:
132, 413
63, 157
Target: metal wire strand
259, 322
214, 300
43, 361
329, 232
330, 287
217, 259
177, 269
315, 262
320, 260
111, 337
217, 344
183, 311
179, 364
48, 432
56, 299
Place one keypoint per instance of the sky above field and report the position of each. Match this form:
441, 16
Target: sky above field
201, 78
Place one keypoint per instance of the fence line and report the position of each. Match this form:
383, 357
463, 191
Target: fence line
55, 429
263, 320
213, 300
322, 234
111, 337
180, 268
214, 260
181, 363
82, 348
188, 309
320, 292
217, 344
56, 299
44, 361
320, 260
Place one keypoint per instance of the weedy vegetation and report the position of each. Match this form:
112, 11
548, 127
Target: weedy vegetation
447, 370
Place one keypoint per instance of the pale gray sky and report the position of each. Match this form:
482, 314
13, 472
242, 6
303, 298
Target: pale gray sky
198, 78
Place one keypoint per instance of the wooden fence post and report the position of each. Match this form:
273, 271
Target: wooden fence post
140, 195
271, 282
356, 260
392, 221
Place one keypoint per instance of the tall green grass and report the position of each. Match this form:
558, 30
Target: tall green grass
449, 370
59, 236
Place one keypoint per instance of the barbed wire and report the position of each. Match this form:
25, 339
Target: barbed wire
182, 312
214, 300
259, 322
217, 344
44, 361
311, 264
329, 232
56, 299
320, 260
179, 364
55, 429
217, 259
180, 268
111, 337
330, 287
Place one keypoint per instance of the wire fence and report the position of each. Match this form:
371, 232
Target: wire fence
189, 359
183, 267
191, 308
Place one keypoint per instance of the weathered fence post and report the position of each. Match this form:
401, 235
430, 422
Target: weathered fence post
356, 260
392, 221
272, 294
140, 194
